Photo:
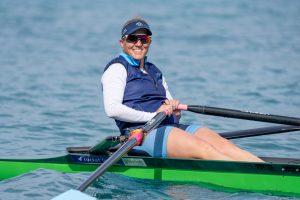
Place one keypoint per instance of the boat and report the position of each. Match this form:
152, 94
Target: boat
278, 176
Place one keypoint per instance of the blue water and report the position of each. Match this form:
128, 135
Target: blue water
234, 54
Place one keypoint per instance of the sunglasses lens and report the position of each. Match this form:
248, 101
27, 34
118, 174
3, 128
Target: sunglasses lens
145, 39
131, 38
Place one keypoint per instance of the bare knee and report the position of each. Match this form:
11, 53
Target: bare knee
201, 149
214, 139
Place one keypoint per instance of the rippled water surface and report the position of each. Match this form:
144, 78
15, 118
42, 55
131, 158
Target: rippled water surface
234, 54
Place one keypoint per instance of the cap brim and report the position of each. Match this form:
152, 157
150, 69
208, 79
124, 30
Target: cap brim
138, 28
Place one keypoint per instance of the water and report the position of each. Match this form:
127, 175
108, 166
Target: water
234, 54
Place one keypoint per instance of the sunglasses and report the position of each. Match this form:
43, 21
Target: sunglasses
145, 39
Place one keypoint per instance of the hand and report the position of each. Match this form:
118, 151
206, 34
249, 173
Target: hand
138, 135
167, 109
174, 103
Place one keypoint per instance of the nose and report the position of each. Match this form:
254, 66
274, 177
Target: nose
138, 43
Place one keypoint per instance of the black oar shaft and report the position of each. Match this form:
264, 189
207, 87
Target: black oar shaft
150, 125
109, 162
153, 123
259, 131
223, 112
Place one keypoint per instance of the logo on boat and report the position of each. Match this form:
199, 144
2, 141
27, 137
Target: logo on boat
89, 159
134, 162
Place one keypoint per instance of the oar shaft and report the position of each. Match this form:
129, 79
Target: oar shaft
150, 125
109, 162
259, 131
238, 114
153, 123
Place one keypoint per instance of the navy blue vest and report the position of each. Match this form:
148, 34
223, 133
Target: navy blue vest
144, 92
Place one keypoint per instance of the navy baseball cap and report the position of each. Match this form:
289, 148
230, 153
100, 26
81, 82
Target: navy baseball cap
135, 24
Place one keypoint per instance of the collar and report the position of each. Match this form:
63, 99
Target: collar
131, 60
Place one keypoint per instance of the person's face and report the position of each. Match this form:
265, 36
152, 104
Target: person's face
136, 44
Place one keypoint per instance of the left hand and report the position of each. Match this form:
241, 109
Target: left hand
174, 103
138, 134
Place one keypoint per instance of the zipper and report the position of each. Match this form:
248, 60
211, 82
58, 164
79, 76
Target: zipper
155, 82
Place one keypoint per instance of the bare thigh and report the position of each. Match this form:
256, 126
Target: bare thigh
185, 145
214, 139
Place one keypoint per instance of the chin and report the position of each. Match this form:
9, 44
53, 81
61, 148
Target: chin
138, 57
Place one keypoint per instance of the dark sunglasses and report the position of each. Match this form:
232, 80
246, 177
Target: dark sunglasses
145, 39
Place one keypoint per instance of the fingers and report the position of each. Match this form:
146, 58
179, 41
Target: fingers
169, 106
167, 109
172, 102
138, 135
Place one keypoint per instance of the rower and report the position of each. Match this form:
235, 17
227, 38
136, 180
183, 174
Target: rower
135, 90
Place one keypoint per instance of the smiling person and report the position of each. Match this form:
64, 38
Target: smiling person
134, 91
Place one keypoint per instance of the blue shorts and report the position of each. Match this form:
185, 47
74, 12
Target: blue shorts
155, 143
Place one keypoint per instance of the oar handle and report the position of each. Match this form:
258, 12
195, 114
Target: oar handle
238, 114
182, 107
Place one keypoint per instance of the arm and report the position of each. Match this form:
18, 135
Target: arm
168, 94
113, 83
170, 101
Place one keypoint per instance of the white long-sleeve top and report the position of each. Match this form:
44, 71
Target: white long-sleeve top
113, 83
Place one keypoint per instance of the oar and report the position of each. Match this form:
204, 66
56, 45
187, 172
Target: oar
245, 133
148, 127
238, 114
77, 194
259, 131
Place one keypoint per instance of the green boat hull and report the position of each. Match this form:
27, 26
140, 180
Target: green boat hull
268, 178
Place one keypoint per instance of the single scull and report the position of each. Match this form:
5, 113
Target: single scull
278, 176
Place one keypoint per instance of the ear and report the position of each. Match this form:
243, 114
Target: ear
121, 42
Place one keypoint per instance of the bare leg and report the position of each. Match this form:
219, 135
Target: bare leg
225, 146
181, 144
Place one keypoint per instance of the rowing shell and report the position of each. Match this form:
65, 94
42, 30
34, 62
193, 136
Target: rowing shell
279, 176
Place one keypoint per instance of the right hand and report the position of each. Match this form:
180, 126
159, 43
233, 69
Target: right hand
168, 109
174, 103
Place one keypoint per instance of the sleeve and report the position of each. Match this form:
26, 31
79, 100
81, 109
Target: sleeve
168, 94
113, 83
